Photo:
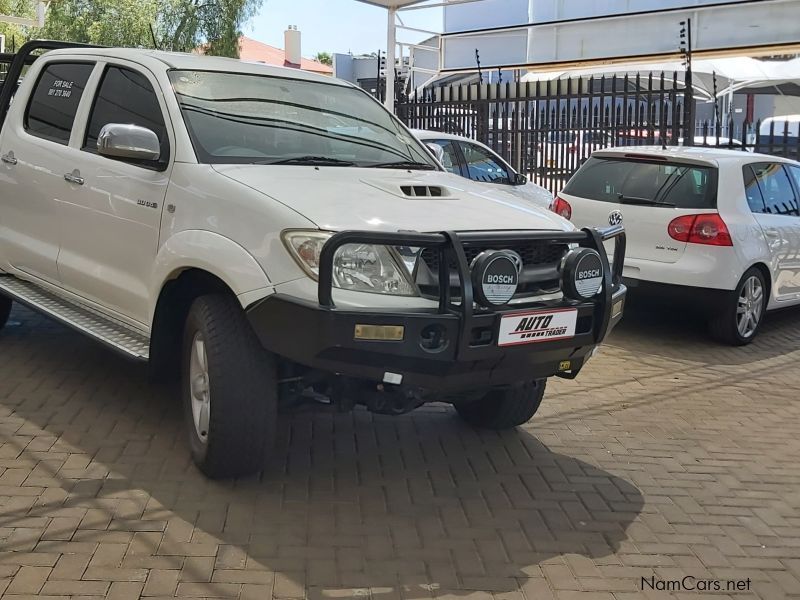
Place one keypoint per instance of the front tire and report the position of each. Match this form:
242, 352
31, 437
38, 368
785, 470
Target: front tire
504, 408
5, 310
229, 389
739, 321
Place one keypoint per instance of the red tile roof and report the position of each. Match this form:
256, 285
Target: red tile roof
253, 50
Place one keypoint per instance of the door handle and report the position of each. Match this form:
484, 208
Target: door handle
772, 233
9, 158
74, 177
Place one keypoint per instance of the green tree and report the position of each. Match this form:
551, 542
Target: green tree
174, 24
215, 24
15, 34
325, 58
106, 22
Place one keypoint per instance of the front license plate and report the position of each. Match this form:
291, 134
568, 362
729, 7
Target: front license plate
537, 326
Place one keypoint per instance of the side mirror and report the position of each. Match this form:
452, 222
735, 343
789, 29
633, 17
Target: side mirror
128, 141
438, 152
519, 179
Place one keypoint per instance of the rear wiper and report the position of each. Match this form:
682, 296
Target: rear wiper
310, 160
642, 201
403, 164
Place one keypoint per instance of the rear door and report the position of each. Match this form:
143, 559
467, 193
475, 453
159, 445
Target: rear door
773, 200
643, 194
34, 149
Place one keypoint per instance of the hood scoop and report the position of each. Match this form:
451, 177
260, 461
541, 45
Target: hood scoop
412, 189
423, 191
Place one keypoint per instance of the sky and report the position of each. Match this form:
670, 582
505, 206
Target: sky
335, 25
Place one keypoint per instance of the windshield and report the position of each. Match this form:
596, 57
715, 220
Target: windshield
255, 119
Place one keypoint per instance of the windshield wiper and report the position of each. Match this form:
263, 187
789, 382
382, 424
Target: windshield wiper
642, 201
403, 164
320, 161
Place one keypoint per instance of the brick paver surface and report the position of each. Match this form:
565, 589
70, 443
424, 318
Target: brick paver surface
669, 457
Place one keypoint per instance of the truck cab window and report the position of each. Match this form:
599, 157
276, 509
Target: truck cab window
55, 99
126, 97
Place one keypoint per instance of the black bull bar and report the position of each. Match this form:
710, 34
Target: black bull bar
321, 335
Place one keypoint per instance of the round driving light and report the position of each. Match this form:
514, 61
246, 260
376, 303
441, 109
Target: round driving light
581, 274
495, 276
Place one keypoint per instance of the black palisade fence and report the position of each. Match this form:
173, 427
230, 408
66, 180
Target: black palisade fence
547, 129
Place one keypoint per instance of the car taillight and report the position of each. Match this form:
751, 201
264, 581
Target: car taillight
561, 207
707, 229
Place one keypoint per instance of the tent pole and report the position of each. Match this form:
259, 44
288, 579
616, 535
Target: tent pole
391, 49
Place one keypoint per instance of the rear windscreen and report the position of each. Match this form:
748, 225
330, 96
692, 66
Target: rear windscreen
657, 183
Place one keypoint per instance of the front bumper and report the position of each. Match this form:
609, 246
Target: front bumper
321, 335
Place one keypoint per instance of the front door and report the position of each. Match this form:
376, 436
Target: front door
774, 203
34, 152
111, 217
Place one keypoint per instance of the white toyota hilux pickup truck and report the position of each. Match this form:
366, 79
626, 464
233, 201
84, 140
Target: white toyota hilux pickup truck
273, 235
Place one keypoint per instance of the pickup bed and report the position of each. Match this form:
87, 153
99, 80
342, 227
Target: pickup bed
275, 237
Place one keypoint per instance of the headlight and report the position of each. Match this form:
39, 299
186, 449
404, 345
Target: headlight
356, 267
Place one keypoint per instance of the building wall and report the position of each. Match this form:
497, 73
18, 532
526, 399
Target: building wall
488, 13
542, 11
502, 13
355, 68
565, 37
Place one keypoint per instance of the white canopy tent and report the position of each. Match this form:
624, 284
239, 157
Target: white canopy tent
731, 73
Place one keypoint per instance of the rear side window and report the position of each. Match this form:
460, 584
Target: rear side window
641, 182
777, 194
126, 97
55, 99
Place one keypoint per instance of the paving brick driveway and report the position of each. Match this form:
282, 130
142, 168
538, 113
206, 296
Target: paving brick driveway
669, 457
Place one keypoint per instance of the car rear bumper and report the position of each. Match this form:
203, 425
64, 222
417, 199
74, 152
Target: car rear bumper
700, 298
326, 337
713, 268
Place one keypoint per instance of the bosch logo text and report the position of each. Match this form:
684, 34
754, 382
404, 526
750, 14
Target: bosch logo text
508, 279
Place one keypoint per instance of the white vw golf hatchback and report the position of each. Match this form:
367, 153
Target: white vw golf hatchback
720, 227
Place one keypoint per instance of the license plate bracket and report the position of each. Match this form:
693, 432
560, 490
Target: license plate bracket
536, 326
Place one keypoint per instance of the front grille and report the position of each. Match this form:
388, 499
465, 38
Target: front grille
540, 253
539, 275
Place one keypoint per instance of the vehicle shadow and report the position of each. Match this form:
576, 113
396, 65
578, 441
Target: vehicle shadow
652, 327
412, 504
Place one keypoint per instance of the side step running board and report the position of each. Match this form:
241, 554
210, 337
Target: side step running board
114, 334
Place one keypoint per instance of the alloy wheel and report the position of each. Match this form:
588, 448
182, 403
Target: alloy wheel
750, 306
199, 387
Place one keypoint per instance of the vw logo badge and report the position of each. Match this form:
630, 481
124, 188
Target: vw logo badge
495, 276
615, 217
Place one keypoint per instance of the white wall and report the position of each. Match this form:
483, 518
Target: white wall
557, 10
558, 38
488, 13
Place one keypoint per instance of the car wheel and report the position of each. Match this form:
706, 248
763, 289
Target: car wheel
229, 389
504, 408
5, 310
740, 319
